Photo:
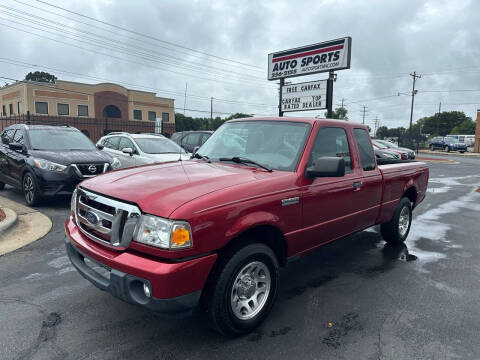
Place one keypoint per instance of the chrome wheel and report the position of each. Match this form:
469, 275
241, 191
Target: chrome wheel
28, 189
250, 290
404, 221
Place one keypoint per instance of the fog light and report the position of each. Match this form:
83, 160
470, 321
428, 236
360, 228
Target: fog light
146, 290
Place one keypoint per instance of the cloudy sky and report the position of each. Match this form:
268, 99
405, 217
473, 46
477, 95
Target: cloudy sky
219, 49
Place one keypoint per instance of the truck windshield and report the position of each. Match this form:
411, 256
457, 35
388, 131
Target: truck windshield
59, 139
277, 145
158, 146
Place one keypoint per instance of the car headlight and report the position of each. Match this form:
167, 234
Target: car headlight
48, 165
115, 164
163, 233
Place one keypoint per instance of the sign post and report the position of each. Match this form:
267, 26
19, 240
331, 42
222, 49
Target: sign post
307, 60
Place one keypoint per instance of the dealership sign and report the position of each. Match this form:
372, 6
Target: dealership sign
304, 96
327, 56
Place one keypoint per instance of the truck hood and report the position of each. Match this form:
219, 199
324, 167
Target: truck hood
161, 188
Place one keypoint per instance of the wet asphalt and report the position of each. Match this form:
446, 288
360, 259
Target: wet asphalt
352, 299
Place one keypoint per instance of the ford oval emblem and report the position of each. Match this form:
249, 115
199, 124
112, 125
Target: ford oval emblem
92, 217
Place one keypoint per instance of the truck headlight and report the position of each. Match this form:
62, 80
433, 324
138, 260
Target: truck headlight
48, 165
163, 233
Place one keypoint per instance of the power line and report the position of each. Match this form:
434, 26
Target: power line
147, 36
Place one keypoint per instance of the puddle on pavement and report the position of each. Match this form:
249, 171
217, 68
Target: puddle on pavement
397, 252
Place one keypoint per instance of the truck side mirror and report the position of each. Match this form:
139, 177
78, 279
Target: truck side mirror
16, 146
326, 166
99, 146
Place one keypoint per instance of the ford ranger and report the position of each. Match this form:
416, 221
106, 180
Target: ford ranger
212, 232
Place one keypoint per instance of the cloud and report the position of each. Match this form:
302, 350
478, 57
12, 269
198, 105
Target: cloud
437, 39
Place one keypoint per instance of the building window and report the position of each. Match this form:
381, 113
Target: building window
19, 107
41, 107
137, 114
165, 117
152, 115
4, 111
82, 110
10, 107
63, 109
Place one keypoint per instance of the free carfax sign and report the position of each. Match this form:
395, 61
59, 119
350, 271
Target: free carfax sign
310, 59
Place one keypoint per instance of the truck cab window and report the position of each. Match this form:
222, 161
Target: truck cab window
367, 156
333, 142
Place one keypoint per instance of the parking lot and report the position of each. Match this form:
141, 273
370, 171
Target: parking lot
354, 298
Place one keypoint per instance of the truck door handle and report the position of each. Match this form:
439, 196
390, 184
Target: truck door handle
357, 185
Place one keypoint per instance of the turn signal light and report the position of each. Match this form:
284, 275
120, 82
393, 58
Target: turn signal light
180, 237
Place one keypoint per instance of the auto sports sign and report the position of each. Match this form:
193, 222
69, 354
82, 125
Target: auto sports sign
310, 59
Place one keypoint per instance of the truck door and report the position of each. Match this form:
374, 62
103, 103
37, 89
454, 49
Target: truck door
332, 206
371, 187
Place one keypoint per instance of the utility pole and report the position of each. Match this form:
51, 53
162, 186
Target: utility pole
364, 112
415, 76
185, 100
439, 112
376, 126
211, 109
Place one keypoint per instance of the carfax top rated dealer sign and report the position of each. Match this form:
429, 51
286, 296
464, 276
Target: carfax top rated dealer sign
311, 59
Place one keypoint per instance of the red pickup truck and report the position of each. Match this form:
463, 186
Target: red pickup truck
213, 231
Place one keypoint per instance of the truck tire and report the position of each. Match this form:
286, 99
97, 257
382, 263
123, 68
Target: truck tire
396, 230
432, 147
242, 290
447, 149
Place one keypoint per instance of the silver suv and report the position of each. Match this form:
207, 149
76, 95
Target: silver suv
140, 149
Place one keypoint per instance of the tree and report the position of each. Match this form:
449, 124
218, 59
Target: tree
339, 113
467, 127
41, 76
442, 124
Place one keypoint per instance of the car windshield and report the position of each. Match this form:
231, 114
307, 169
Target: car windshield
158, 145
388, 144
274, 144
380, 145
59, 139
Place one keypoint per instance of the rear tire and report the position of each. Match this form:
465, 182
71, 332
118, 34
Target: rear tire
242, 290
30, 189
447, 149
432, 148
396, 230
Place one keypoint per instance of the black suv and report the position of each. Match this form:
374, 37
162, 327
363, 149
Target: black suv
48, 160
189, 140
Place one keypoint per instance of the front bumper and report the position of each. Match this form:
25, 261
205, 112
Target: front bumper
175, 286
52, 183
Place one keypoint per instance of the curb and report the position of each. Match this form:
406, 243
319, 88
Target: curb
30, 225
10, 220
440, 152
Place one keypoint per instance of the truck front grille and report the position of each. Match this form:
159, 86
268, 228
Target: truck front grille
104, 220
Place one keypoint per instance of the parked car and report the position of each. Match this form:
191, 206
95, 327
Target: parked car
447, 143
381, 146
385, 153
189, 140
49, 160
140, 149
393, 146
214, 231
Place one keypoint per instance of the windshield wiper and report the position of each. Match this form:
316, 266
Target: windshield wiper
240, 160
203, 157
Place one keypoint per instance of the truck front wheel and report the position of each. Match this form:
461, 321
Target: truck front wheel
243, 290
397, 229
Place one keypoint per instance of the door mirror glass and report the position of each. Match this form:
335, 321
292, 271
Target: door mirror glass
195, 149
326, 166
16, 146
128, 151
